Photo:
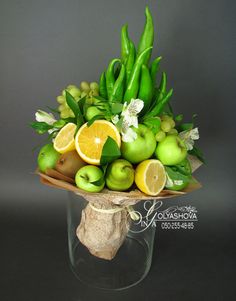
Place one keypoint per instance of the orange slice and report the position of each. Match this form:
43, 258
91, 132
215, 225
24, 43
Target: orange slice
89, 140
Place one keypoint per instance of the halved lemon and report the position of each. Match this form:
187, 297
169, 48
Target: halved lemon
89, 140
64, 141
150, 177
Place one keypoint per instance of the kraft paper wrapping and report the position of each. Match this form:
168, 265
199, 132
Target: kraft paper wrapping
103, 230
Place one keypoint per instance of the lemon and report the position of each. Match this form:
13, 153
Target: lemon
150, 177
64, 141
90, 140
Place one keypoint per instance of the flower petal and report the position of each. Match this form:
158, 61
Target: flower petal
194, 134
115, 119
42, 116
129, 136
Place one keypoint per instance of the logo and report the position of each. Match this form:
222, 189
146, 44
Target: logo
172, 218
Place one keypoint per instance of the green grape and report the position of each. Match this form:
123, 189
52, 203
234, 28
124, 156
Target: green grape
63, 92
61, 108
61, 99
75, 92
84, 86
172, 123
64, 114
166, 117
172, 132
165, 126
94, 86
69, 87
89, 101
83, 94
71, 114
93, 93
88, 90
169, 119
160, 136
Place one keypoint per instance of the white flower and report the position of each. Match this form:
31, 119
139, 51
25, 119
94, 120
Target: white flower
189, 137
131, 111
194, 134
42, 116
129, 135
129, 118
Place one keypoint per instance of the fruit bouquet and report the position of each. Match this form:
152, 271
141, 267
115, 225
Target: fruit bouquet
118, 142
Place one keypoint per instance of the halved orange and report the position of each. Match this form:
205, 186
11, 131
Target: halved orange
90, 140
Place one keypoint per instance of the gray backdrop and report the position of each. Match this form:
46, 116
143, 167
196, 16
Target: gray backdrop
46, 45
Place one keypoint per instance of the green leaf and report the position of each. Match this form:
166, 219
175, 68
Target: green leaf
100, 98
110, 151
185, 127
41, 127
159, 106
73, 105
173, 176
116, 107
104, 168
96, 117
81, 103
100, 181
59, 123
70, 119
179, 117
198, 153
154, 124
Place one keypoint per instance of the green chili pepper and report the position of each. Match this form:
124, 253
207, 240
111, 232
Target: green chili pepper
102, 86
162, 88
160, 105
145, 88
124, 43
133, 85
154, 69
118, 90
158, 95
130, 61
147, 37
110, 77
117, 71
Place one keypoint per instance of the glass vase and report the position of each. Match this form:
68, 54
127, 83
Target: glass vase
131, 263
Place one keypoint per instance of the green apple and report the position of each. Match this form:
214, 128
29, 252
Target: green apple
88, 174
171, 151
47, 157
91, 112
141, 148
120, 175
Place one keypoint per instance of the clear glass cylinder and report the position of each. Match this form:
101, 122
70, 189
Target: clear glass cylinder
131, 263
